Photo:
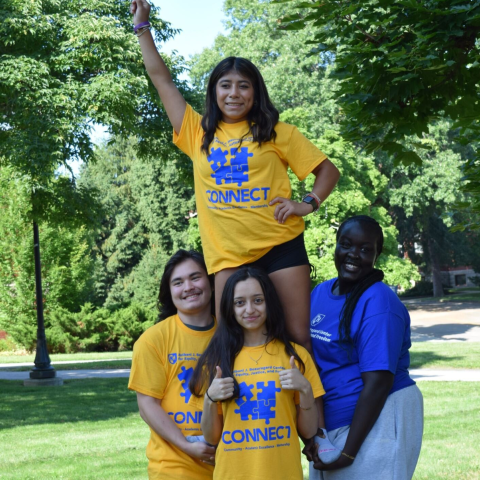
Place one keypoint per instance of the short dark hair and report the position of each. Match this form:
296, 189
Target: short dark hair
263, 116
228, 339
165, 303
370, 223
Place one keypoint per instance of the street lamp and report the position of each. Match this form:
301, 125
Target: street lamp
43, 373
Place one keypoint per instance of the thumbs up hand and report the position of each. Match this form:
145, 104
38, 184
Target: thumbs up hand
293, 379
292, 362
220, 388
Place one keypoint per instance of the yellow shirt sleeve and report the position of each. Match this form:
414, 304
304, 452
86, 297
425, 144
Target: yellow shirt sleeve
302, 155
191, 132
148, 374
311, 374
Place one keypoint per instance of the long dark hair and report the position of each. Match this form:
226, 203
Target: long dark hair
263, 116
376, 275
165, 303
228, 339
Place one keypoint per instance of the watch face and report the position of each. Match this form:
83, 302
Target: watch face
311, 201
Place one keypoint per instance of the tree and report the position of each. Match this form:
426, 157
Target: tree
301, 88
67, 264
422, 197
64, 65
402, 65
145, 205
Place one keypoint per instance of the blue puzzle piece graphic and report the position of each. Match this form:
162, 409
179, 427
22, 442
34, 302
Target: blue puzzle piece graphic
223, 173
248, 408
239, 163
238, 175
264, 410
240, 157
184, 377
217, 158
268, 392
245, 394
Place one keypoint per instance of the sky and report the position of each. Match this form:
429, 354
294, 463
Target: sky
200, 22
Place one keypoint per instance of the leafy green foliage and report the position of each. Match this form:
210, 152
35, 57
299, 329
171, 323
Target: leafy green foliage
401, 66
422, 198
97, 329
66, 261
63, 66
146, 205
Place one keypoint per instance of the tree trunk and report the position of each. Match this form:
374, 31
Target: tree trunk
435, 264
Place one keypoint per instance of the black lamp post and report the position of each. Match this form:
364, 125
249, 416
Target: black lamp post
43, 372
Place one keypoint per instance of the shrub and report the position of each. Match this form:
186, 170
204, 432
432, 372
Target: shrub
421, 289
475, 280
7, 345
97, 330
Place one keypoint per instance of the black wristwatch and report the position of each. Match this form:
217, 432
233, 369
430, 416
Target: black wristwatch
311, 201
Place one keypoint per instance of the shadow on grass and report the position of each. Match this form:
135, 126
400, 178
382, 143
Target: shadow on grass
440, 330
419, 359
431, 305
92, 400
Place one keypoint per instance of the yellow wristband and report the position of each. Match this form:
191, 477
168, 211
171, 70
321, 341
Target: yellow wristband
348, 456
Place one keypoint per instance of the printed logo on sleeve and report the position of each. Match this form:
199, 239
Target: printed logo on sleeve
172, 358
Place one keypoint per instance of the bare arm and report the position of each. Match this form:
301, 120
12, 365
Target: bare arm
212, 422
326, 177
172, 99
307, 415
158, 420
370, 403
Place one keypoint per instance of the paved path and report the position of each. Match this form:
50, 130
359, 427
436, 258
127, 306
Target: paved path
450, 321
419, 374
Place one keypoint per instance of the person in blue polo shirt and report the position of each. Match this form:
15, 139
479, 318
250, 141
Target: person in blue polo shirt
360, 334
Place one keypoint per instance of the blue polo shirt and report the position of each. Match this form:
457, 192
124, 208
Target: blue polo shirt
380, 330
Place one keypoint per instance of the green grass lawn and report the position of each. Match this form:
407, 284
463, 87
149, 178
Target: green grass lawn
461, 297
445, 355
90, 429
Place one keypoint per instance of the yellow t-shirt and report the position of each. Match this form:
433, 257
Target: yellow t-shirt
259, 437
164, 358
233, 188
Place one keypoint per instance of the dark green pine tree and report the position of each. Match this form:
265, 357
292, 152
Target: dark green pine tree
146, 206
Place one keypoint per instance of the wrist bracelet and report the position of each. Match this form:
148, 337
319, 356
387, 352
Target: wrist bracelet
142, 31
209, 397
304, 408
140, 25
348, 456
316, 197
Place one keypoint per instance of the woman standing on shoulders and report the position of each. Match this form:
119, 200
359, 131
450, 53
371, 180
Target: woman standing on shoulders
361, 335
240, 154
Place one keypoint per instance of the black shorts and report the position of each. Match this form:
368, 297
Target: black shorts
286, 255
